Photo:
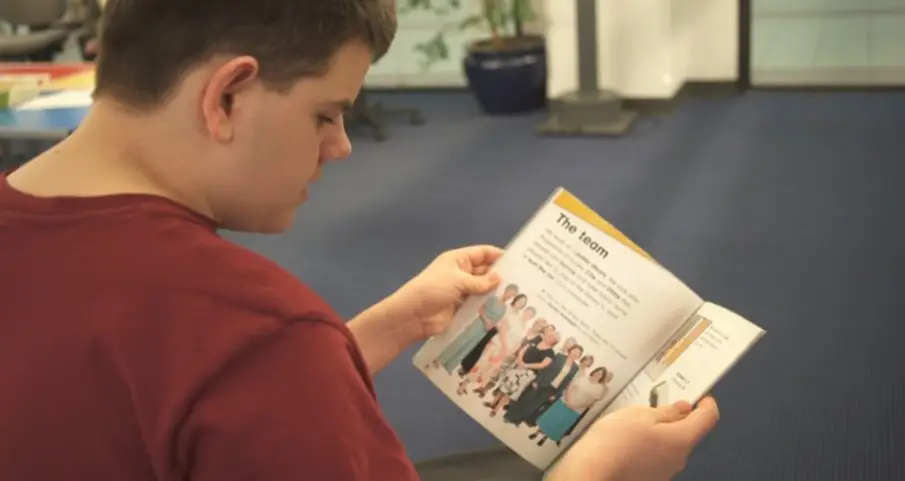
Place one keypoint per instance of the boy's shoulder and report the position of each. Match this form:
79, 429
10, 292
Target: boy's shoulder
195, 258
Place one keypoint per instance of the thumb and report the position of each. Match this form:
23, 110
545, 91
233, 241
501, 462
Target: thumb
701, 421
480, 284
672, 412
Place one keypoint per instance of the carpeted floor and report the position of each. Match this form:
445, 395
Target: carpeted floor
780, 205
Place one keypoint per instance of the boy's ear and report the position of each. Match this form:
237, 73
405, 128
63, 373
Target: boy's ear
223, 93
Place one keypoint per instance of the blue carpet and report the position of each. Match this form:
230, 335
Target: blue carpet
779, 205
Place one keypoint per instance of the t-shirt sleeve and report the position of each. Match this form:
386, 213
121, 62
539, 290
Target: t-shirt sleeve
292, 407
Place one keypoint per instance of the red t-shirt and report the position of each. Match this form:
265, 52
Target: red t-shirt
137, 344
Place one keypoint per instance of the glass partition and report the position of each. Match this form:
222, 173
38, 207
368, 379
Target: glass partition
403, 66
827, 42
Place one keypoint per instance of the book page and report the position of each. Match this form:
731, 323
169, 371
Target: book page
693, 361
579, 312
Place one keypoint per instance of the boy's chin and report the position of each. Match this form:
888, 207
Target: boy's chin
275, 222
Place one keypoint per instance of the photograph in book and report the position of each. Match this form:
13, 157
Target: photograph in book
579, 312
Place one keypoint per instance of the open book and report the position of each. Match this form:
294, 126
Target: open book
585, 322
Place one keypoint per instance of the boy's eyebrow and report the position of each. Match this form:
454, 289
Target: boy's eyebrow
342, 104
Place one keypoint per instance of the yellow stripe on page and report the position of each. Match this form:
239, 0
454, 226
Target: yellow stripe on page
570, 203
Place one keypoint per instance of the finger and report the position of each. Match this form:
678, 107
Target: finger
672, 412
481, 255
700, 421
481, 270
472, 284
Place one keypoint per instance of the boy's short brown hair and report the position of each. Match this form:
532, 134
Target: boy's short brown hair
146, 46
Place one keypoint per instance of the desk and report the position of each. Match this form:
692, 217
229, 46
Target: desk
39, 124
50, 124
74, 75
26, 133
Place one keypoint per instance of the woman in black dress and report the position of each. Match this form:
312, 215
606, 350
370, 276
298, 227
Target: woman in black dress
531, 359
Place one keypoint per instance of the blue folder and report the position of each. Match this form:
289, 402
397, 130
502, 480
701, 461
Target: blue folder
51, 123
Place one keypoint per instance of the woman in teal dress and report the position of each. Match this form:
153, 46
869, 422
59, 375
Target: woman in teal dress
561, 417
490, 313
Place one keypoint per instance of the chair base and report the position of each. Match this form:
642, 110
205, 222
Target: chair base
45, 54
83, 41
373, 116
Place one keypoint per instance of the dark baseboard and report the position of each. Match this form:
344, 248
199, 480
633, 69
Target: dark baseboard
419, 90
655, 106
493, 464
459, 459
644, 106
830, 88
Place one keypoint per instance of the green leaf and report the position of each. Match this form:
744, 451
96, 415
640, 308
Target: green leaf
433, 50
525, 10
471, 21
416, 4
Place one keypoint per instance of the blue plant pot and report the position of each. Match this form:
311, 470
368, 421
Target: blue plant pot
508, 79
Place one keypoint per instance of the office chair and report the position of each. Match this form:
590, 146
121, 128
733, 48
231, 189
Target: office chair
373, 115
47, 32
90, 31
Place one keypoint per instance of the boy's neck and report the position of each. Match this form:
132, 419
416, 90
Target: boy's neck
112, 152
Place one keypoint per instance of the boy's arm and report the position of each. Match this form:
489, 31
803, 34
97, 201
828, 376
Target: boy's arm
293, 407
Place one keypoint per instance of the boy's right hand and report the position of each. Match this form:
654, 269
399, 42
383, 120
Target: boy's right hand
638, 443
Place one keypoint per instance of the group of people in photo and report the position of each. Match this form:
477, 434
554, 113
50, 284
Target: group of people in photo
513, 354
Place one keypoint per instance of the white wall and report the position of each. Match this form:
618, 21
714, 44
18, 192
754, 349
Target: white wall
711, 27
647, 48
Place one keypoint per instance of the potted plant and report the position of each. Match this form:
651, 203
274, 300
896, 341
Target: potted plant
506, 70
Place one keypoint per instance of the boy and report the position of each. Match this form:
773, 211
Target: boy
136, 344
